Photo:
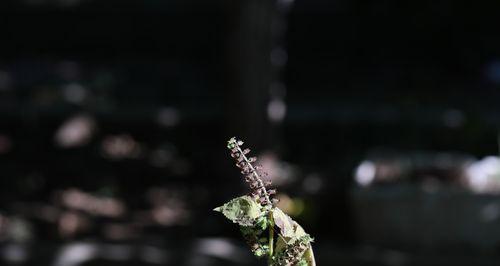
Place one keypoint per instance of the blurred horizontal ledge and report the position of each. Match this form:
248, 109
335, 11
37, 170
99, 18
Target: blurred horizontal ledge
130, 114
219, 252
205, 110
427, 218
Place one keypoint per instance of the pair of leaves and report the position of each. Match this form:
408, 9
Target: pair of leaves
253, 221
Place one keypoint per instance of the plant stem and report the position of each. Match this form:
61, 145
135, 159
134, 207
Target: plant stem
271, 237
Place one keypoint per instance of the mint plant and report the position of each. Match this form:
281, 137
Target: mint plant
268, 231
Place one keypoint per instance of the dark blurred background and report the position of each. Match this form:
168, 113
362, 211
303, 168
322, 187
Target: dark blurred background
376, 120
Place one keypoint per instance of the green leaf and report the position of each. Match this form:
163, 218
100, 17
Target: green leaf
289, 229
302, 262
242, 210
299, 231
280, 245
283, 222
260, 252
291, 236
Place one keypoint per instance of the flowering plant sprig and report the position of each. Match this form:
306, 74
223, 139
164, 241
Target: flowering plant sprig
261, 222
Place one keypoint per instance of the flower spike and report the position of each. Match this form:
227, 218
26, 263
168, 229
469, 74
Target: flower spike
252, 175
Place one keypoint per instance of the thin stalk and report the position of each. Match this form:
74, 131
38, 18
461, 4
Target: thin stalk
271, 237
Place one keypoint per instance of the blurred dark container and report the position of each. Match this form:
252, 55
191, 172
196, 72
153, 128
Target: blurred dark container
427, 218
